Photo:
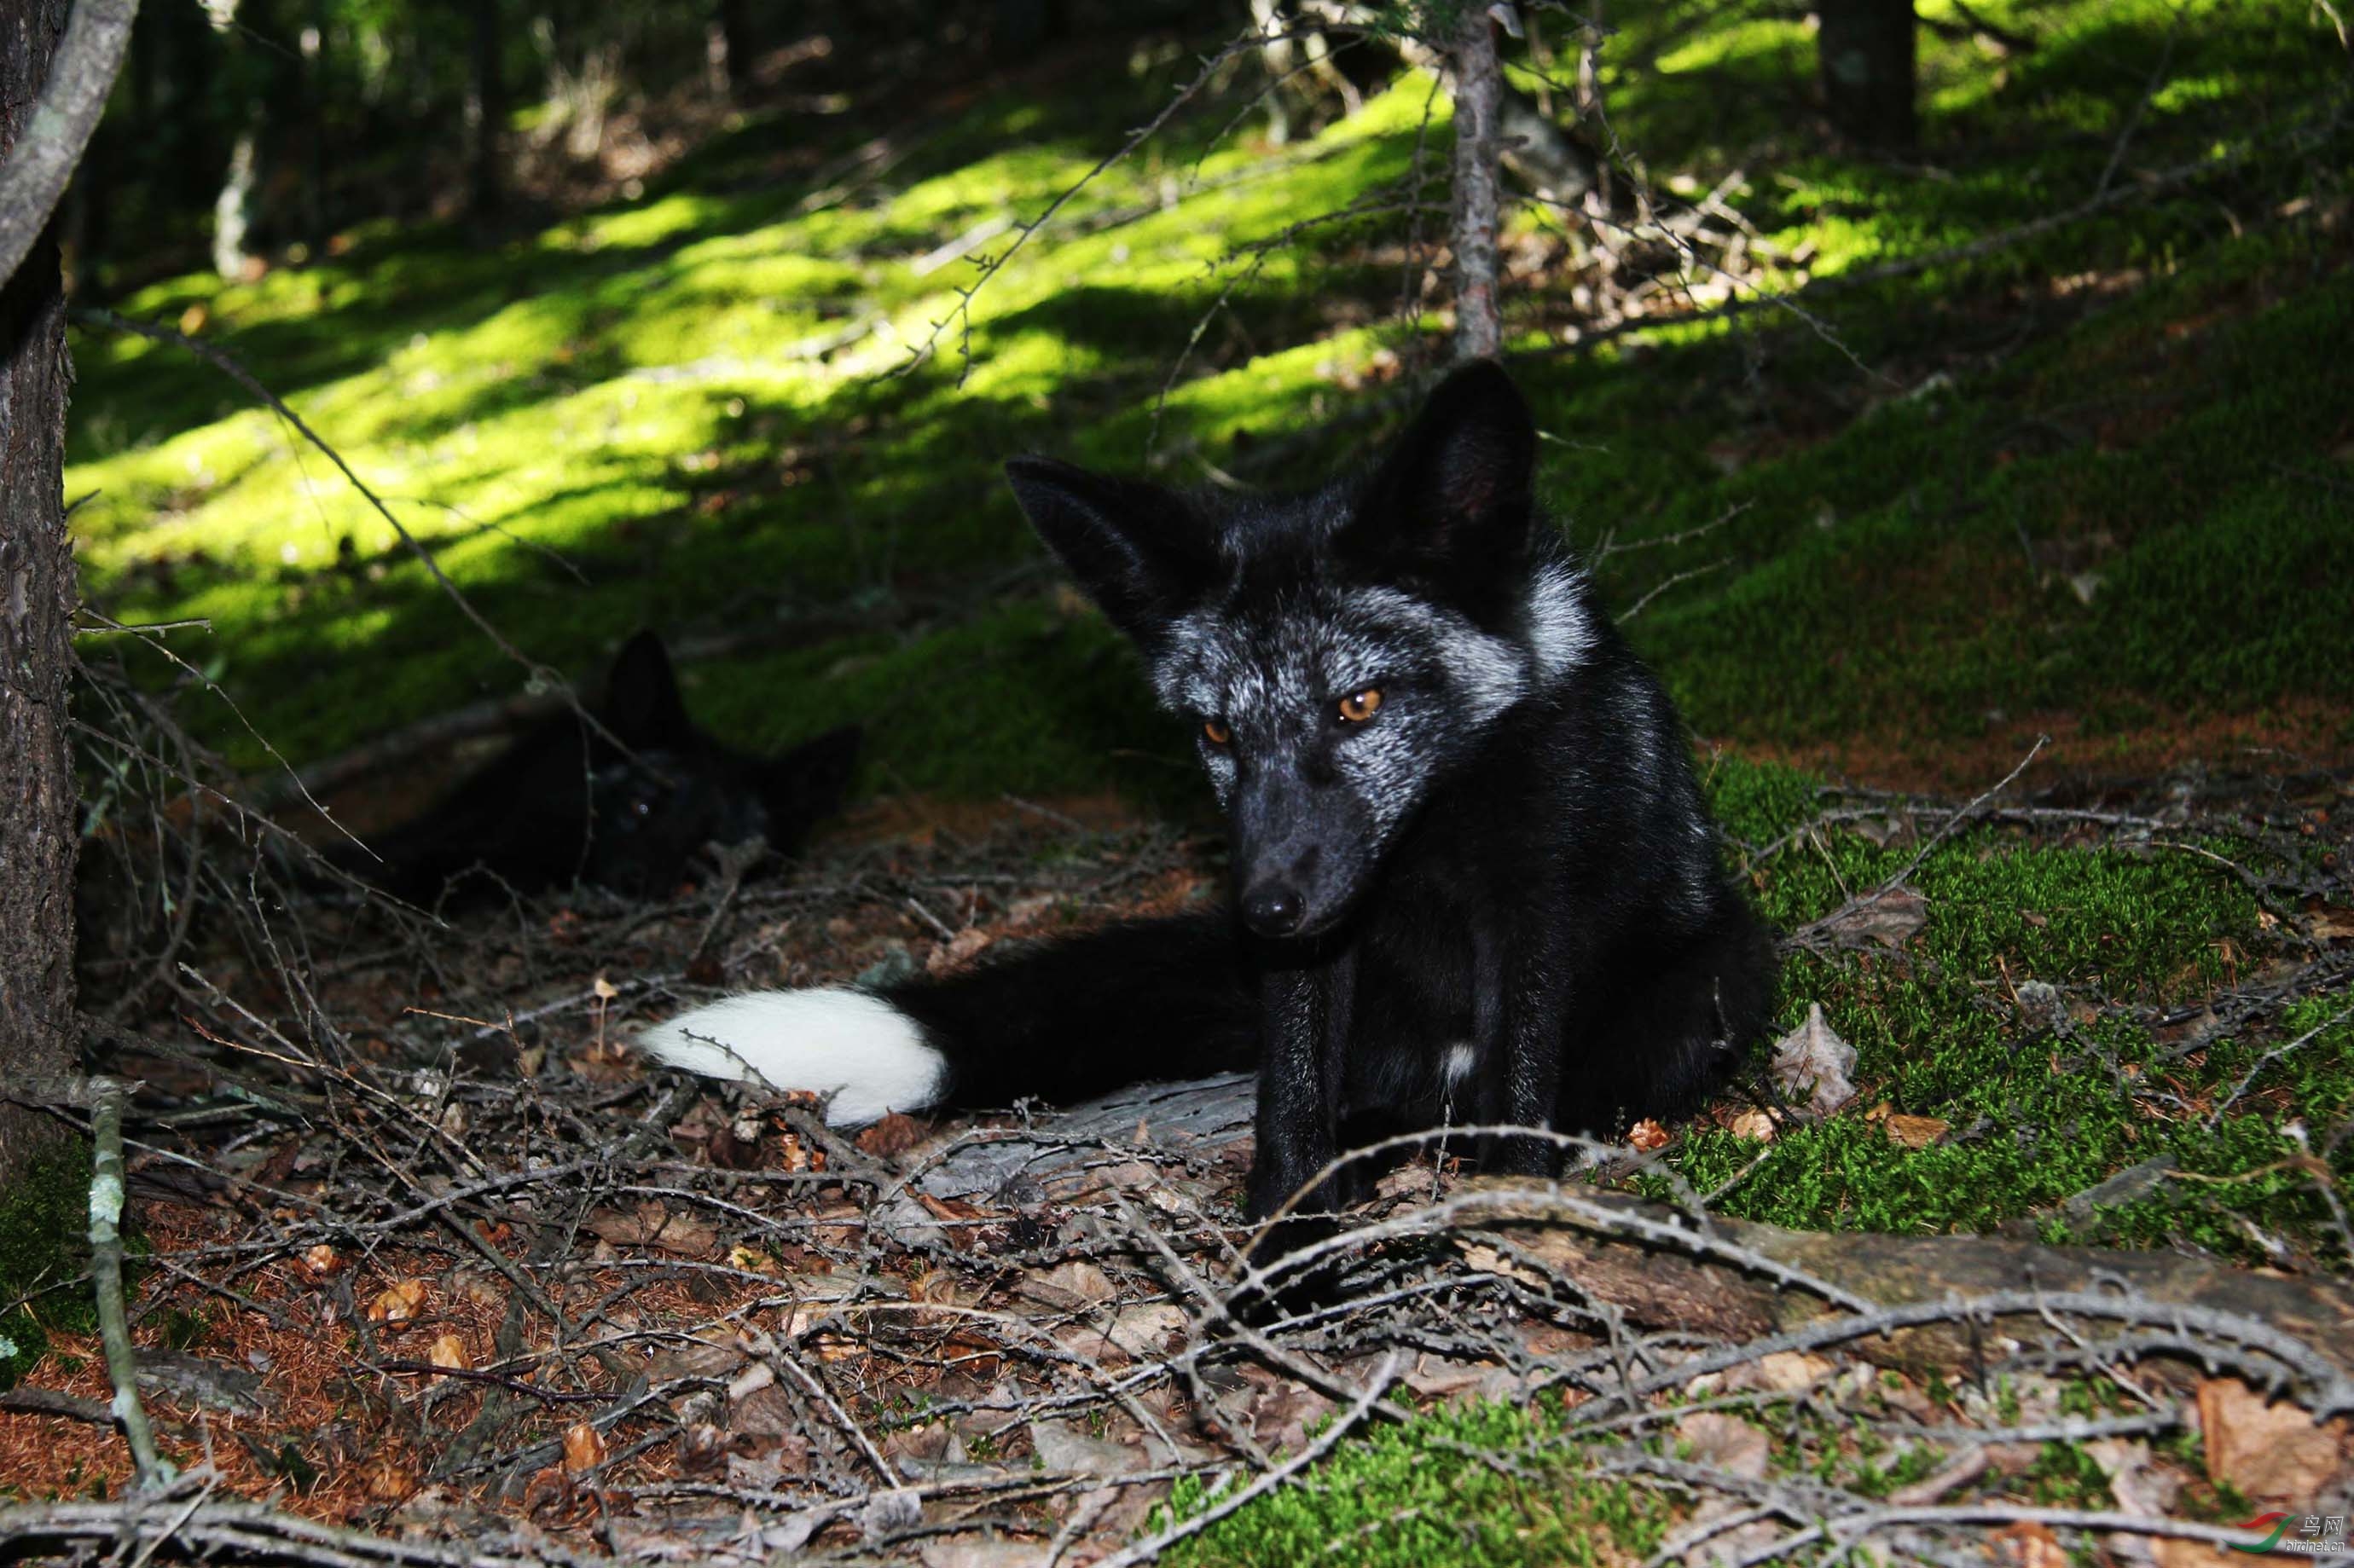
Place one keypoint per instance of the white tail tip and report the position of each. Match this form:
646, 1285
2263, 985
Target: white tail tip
866, 1054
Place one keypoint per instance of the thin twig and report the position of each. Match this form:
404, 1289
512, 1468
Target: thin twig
153, 1472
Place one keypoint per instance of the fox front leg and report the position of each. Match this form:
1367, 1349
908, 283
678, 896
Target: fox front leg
1523, 998
1304, 1029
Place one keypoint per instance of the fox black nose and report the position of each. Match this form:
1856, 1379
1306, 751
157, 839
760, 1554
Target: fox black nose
1273, 909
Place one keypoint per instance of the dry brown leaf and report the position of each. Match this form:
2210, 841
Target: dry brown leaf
765, 1413
546, 1489
449, 1353
389, 1479
1916, 1132
2271, 1451
398, 1303
893, 1136
583, 1448
649, 1223
2029, 1544
1784, 1372
1082, 1279
1647, 1137
2327, 923
1725, 1442
957, 950
1889, 919
1144, 1331
1811, 1065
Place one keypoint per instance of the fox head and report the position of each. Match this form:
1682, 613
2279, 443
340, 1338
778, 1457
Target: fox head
1338, 651
651, 810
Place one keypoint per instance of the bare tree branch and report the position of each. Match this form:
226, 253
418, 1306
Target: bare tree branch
106, 1197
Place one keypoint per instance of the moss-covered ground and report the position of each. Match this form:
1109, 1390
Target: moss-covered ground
44, 1253
2089, 479
1504, 1484
2004, 476
2109, 1058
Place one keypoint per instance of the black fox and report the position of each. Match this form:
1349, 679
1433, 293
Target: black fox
1474, 881
564, 803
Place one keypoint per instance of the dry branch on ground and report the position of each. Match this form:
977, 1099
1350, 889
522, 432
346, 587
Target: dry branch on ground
465, 1283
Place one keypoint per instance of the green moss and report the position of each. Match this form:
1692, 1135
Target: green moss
1027, 699
685, 396
44, 1251
2251, 602
2036, 1115
1477, 1484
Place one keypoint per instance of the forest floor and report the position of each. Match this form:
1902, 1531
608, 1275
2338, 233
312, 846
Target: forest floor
443, 1262
2054, 444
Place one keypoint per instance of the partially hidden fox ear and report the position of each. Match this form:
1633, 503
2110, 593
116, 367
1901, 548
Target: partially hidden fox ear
642, 708
1459, 485
1139, 550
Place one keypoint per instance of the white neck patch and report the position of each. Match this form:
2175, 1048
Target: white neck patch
1560, 633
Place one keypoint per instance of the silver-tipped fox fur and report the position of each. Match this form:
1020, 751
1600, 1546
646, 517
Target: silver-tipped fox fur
1269, 670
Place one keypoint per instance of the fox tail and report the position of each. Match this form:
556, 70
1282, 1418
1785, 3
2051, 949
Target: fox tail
1064, 1021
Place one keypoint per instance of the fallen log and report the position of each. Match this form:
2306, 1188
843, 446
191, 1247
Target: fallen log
1951, 1300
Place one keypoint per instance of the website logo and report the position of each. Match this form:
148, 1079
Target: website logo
2315, 1534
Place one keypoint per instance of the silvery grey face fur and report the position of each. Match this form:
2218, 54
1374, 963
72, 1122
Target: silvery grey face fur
1424, 581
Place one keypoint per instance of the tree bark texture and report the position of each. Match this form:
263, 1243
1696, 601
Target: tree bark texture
1472, 223
1866, 48
1657, 1287
36, 605
71, 86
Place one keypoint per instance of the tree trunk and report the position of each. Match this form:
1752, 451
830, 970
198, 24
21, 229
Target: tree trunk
315, 115
233, 209
37, 605
1471, 229
489, 192
737, 48
1275, 53
1866, 48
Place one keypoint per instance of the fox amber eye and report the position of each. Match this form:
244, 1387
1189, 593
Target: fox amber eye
1359, 706
1219, 734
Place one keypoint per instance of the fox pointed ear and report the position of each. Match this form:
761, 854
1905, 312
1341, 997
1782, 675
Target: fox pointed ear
1460, 483
1139, 550
642, 708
